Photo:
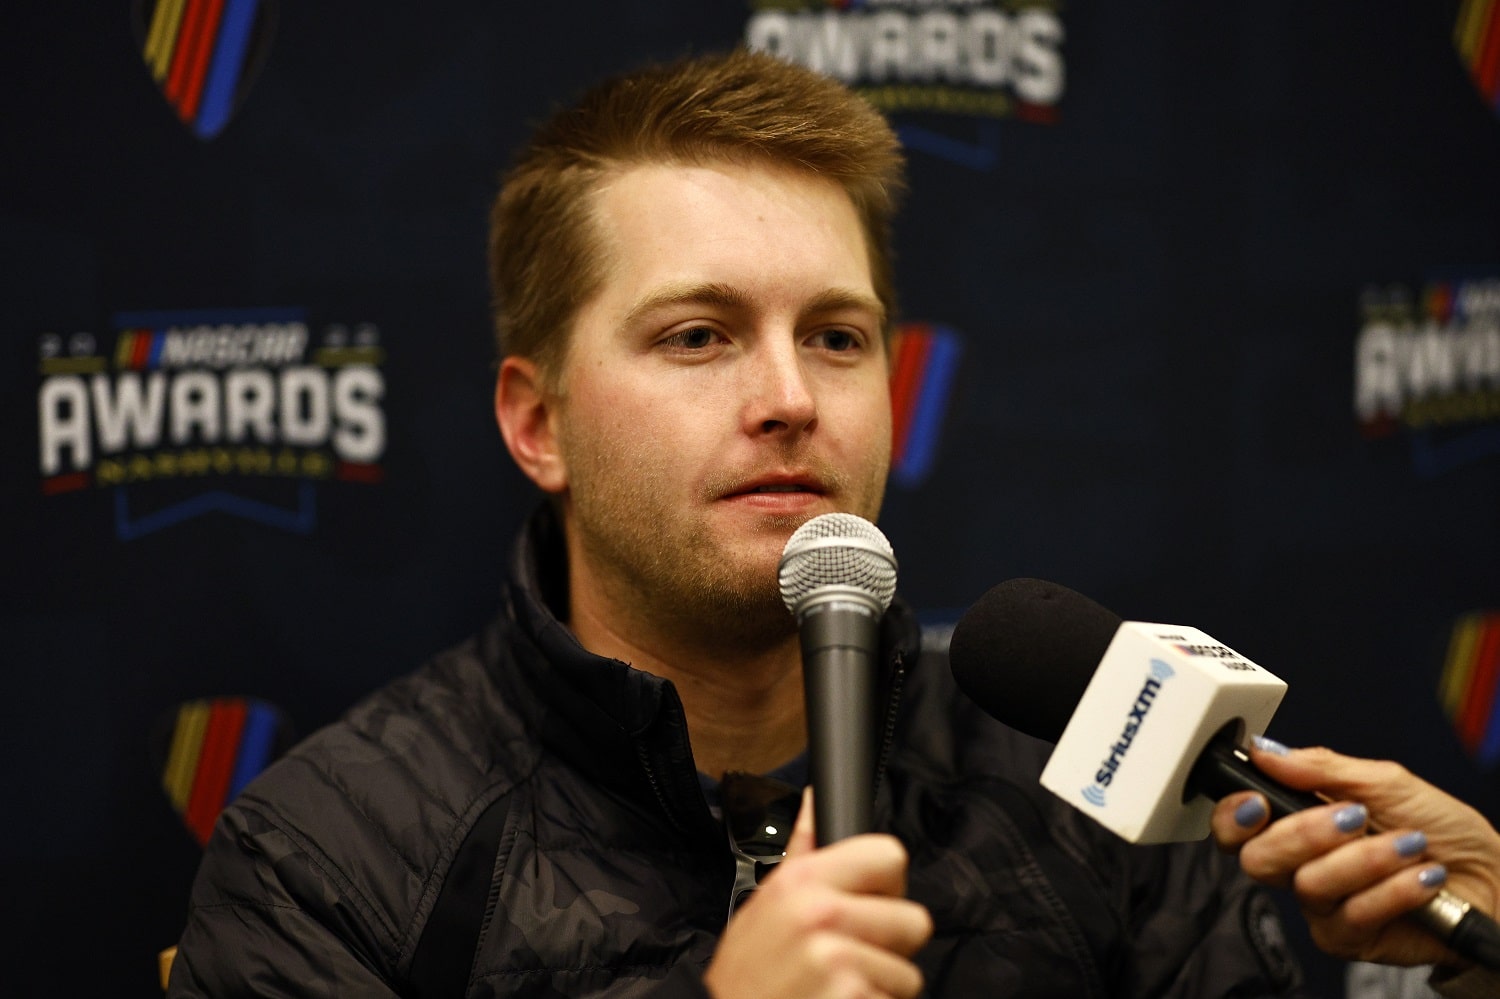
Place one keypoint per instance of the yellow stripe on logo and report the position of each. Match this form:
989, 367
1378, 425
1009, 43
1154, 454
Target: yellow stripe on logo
1459, 667
125, 350
187, 746
1469, 30
161, 41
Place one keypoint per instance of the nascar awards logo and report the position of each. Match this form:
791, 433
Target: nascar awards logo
1428, 362
169, 407
981, 58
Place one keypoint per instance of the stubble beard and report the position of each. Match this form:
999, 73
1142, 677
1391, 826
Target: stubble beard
671, 570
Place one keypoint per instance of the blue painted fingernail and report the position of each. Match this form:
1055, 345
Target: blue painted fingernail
1271, 746
1433, 876
1410, 844
1350, 818
1250, 812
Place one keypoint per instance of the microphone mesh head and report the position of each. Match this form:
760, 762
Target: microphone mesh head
837, 549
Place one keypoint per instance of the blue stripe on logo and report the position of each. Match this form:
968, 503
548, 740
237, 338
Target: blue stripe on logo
927, 415
224, 71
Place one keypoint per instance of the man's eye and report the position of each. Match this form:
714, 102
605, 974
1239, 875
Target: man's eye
837, 340
694, 339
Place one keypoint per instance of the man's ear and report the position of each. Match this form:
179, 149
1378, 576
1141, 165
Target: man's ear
526, 412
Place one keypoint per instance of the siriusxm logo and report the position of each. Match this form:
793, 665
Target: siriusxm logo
1160, 673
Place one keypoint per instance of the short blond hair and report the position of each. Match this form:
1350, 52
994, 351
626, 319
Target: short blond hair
545, 259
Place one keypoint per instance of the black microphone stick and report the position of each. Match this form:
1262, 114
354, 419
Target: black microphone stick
1025, 653
838, 575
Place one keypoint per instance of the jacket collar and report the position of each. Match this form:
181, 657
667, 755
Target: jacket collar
621, 726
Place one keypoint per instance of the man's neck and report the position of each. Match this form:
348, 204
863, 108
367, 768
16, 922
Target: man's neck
744, 707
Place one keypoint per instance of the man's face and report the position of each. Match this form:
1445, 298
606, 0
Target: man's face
727, 383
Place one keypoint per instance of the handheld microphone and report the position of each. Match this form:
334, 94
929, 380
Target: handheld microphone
1148, 719
1132, 706
837, 576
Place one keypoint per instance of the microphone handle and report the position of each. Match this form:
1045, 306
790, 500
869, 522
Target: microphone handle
1224, 768
839, 642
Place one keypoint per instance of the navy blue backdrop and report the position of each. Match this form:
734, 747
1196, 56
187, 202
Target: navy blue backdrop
245, 366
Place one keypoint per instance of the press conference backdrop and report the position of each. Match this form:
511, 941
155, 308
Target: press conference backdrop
1201, 317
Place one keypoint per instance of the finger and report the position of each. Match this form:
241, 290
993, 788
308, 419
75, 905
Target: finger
870, 864
1326, 882
1237, 818
1287, 844
1390, 791
803, 839
894, 924
1367, 926
1334, 774
1301, 769
1394, 896
855, 967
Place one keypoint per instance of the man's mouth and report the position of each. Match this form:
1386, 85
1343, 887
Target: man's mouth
771, 485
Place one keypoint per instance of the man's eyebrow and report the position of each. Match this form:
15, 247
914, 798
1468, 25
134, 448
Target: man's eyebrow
712, 293
837, 299
719, 295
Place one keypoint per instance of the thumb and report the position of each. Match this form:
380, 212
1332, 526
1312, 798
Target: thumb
1302, 769
1380, 784
804, 837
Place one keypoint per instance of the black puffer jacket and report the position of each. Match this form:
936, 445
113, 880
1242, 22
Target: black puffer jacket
522, 818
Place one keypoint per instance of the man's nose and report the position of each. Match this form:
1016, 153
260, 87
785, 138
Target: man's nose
779, 395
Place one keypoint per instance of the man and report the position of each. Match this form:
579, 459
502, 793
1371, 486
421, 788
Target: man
693, 289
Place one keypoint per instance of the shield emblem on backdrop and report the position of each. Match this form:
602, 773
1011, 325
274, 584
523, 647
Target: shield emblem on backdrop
1476, 35
207, 750
204, 54
925, 363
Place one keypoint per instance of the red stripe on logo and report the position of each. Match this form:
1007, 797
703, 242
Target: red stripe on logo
141, 353
221, 741
1487, 66
203, 52
350, 471
1041, 114
65, 483
1440, 302
911, 363
1481, 693
182, 53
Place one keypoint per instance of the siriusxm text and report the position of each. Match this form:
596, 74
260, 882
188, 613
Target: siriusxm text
1133, 722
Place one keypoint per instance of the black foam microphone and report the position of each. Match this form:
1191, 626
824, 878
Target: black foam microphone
1027, 652
838, 575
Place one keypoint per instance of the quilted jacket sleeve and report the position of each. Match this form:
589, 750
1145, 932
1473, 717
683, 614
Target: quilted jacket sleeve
271, 916
250, 931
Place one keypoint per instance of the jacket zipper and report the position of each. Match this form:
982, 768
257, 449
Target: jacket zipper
656, 788
882, 756
888, 732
